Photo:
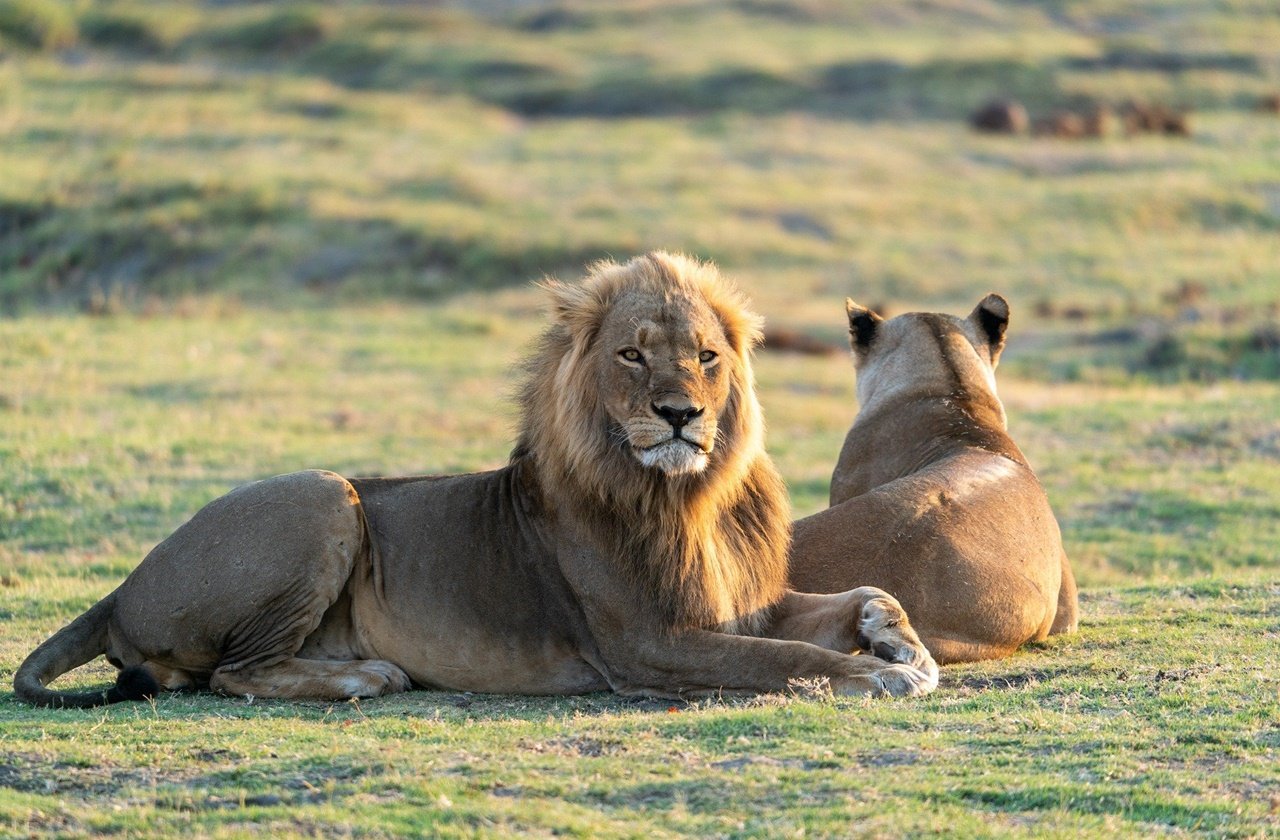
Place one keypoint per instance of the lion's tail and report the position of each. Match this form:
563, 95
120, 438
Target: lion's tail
79, 642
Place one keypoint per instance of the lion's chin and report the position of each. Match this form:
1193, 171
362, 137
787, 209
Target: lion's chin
675, 457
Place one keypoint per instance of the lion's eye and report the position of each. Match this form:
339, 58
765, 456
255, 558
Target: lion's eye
707, 356
632, 355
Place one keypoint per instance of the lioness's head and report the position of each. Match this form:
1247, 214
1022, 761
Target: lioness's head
927, 351
651, 371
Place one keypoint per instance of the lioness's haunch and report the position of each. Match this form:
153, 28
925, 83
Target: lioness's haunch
931, 499
636, 542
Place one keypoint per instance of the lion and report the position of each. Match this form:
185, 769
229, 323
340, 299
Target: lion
636, 541
932, 500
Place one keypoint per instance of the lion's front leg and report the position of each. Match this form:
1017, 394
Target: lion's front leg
866, 619
700, 663
884, 630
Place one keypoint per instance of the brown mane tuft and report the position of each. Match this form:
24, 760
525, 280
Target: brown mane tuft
704, 548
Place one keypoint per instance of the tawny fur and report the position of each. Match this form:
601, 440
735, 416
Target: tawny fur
692, 543
931, 499
636, 542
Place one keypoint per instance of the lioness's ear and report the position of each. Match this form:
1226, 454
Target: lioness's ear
991, 316
863, 325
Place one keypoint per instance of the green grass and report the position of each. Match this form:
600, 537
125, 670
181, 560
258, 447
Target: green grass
37, 24
384, 149
1134, 727
1159, 717
307, 231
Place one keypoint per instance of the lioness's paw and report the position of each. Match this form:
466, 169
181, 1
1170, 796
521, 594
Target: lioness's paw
375, 677
885, 632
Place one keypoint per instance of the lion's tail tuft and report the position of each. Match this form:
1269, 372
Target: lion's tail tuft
134, 683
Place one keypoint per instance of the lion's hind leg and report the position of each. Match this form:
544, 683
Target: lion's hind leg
234, 596
1066, 619
169, 679
312, 678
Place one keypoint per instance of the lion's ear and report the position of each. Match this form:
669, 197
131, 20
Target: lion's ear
743, 329
863, 325
991, 317
574, 305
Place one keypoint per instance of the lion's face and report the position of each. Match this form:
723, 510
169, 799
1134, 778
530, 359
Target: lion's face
642, 431
646, 368
666, 367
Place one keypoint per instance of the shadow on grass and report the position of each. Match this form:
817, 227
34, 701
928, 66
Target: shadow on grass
872, 89
457, 707
1109, 798
352, 52
1165, 61
1014, 680
865, 89
118, 251
418, 704
1158, 512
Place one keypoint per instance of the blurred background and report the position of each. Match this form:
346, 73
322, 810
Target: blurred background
246, 237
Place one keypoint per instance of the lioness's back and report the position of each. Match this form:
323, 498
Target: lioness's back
931, 498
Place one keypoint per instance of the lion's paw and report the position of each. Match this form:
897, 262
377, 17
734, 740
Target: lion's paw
375, 677
885, 632
882, 679
906, 681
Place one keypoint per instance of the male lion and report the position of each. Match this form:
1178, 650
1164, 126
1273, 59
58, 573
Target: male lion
636, 542
932, 500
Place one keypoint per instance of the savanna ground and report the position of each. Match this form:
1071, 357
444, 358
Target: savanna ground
244, 239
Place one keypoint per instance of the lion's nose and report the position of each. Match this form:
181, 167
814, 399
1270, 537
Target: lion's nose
677, 416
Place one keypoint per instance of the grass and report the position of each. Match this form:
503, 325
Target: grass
1159, 717
383, 149
1086, 735
1106, 758
38, 24
239, 240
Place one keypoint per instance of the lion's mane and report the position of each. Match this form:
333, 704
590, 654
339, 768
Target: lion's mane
700, 545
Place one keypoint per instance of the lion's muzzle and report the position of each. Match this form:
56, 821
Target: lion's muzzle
679, 442
677, 416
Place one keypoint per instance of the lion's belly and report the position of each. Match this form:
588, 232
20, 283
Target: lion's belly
456, 655
457, 591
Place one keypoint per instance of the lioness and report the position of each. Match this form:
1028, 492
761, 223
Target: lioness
932, 500
636, 542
